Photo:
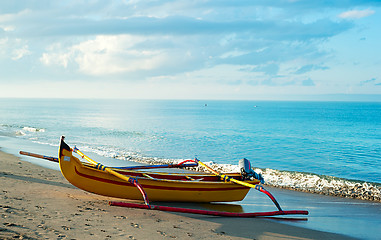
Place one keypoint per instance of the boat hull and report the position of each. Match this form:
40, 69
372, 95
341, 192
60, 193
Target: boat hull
100, 182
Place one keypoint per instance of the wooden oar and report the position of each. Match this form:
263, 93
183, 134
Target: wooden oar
99, 166
230, 179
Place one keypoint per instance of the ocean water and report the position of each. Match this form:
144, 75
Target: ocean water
338, 139
325, 147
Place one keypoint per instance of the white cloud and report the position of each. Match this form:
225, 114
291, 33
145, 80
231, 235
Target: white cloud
106, 55
234, 53
56, 55
93, 59
224, 74
356, 14
7, 28
123, 54
20, 53
14, 49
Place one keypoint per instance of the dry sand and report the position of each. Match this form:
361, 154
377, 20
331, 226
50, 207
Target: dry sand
38, 203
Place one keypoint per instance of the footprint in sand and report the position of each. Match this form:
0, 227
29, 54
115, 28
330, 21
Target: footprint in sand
65, 228
135, 225
12, 225
164, 234
61, 236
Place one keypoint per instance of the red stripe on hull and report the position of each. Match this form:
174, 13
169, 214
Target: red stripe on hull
155, 186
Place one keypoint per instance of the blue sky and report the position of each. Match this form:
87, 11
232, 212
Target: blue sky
191, 49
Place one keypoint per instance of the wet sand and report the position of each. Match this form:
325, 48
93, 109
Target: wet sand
38, 203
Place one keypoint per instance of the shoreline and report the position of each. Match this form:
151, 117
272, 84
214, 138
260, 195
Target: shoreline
38, 203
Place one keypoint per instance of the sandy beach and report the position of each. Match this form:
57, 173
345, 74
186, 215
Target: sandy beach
38, 203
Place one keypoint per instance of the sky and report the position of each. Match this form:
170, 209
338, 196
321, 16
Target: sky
218, 49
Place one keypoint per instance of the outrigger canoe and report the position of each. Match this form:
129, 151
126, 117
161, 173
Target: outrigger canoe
126, 183
168, 187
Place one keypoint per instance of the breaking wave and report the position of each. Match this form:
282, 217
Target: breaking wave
32, 129
25, 130
20, 130
322, 184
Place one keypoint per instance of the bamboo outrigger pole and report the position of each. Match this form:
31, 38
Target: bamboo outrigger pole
211, 213
49, 158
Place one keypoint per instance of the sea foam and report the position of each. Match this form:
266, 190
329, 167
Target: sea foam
32, 129
322, 184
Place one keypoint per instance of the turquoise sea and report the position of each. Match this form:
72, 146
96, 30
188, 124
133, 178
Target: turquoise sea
284, 140
341, 139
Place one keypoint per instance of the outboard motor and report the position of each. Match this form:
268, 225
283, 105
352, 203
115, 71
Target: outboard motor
248, 173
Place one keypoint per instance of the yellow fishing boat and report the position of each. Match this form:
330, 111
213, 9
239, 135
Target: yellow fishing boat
127, 183
123, 184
